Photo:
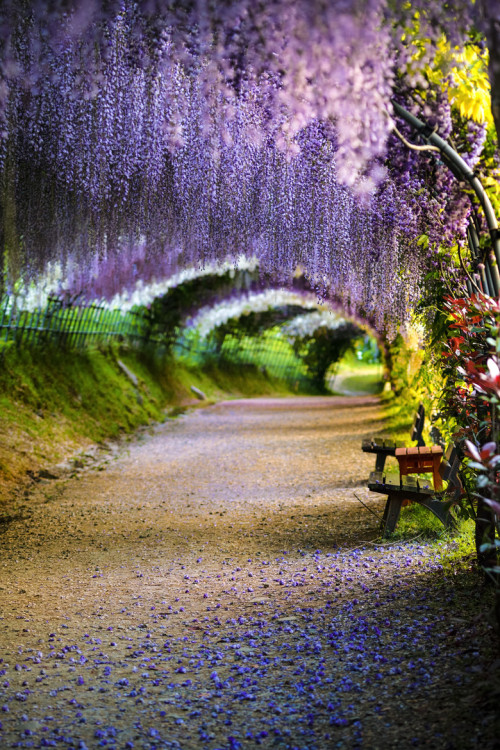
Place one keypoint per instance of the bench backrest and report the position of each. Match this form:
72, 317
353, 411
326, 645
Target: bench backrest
418, 426
450, 463
436, 437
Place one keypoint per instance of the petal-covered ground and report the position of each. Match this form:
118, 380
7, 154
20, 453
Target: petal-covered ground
216, 583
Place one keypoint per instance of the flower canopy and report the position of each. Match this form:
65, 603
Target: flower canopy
140, 138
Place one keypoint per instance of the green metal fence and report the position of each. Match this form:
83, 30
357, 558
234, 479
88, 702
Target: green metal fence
270, 352
75, 326
69, 325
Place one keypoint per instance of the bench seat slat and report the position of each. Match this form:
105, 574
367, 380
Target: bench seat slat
409, 481
369, 446
408, 484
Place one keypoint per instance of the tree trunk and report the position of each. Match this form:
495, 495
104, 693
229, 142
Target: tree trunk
489, 11
9, 241
485, 534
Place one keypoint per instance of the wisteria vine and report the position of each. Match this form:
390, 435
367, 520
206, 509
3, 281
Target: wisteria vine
141, 138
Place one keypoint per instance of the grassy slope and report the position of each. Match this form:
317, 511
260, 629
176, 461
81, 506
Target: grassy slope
351, 376
54, 404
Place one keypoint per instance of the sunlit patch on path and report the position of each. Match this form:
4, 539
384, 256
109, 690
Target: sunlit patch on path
217, 585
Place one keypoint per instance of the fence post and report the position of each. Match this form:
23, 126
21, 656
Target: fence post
9, 324
99, 310
57, 317
35, 318
20, 327
66, 321
80, 332
4, 303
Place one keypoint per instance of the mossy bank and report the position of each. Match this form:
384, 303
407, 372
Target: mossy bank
56, 404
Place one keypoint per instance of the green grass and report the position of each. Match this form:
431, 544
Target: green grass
415, 519
363, 383
418, 524
354, 376
241, 379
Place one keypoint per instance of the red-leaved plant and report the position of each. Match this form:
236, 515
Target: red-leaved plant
470, 404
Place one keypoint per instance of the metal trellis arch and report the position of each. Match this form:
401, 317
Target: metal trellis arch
490, 276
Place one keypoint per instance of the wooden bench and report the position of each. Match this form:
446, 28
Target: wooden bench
421, 460
402, 487
385, 447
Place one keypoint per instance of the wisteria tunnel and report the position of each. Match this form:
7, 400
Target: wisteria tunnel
249, 374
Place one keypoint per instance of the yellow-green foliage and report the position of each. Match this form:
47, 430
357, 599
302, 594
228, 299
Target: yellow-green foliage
463, 74
414, 378
415, 520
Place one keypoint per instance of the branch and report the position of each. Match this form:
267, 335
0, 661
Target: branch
491, 27
412, 145
377, 515
444, 279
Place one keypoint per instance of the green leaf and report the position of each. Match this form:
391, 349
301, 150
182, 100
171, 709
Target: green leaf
487, 547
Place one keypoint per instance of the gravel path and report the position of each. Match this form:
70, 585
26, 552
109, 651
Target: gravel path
214, 583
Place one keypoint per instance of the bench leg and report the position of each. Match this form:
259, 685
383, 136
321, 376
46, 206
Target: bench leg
440, 511
391, 514
436, 476
380, 462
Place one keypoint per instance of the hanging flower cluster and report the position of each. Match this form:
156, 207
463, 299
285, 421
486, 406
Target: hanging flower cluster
218, 315
304, 326
74, 283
